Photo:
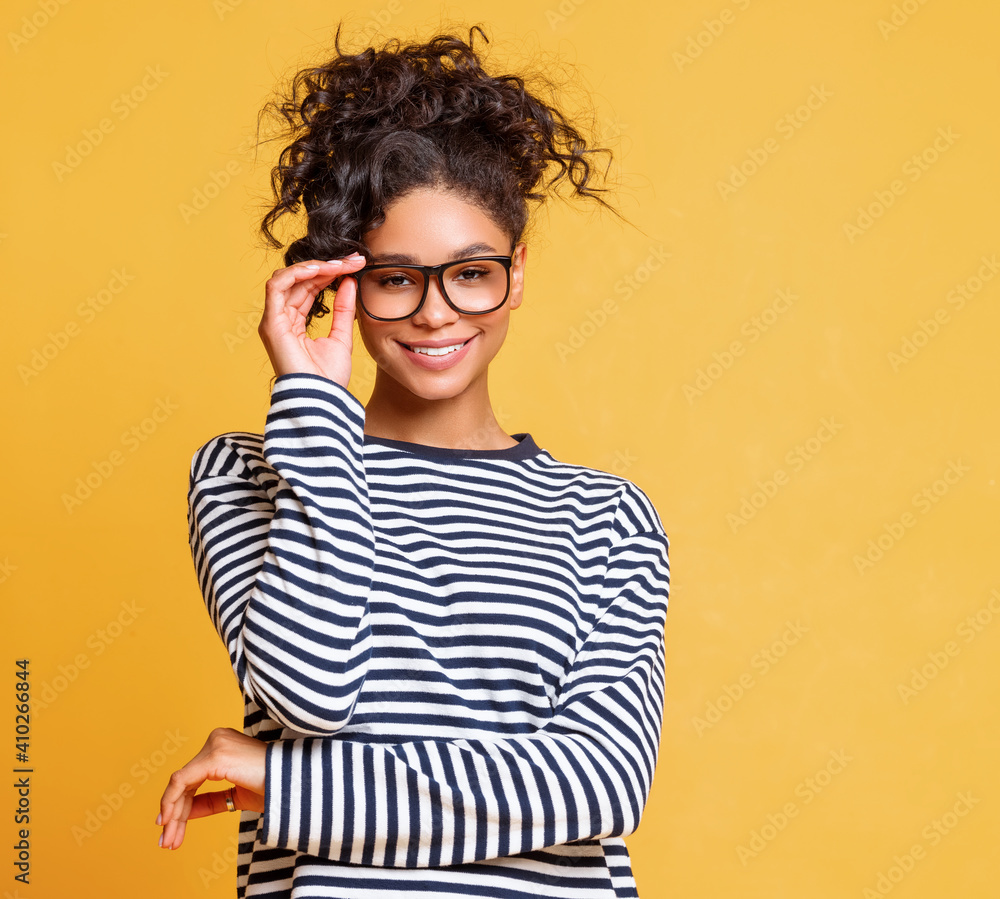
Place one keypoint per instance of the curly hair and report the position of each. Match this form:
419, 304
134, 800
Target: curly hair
368, 127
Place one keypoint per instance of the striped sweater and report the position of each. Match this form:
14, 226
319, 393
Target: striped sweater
454, 656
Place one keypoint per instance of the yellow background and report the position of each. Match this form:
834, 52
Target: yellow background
787, 647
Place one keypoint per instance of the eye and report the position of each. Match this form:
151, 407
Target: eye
471, 273
389, 280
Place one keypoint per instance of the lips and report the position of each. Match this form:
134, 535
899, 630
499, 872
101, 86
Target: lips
436, 355
428, 349
444, 343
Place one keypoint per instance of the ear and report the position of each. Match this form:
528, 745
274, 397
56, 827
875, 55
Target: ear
517, 275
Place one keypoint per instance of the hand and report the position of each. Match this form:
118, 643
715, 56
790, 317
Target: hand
226, 755
289, 295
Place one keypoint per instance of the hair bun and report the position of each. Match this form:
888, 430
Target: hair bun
365, 128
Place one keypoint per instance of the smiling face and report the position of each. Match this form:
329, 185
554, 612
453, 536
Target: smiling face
429, 226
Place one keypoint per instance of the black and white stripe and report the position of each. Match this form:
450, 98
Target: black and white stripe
455, 656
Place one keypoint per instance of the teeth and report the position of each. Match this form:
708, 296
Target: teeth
437, 351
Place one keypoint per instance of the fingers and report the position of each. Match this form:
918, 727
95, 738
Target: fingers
351, 263
283, 277
179, 797
205, 804
198, 806
226, 755
298, 284
289, 296
176, 804
342, 319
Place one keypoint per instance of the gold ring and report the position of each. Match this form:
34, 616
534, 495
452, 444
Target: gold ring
230, 805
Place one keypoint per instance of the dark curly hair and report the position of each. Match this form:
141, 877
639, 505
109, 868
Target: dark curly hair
368, 127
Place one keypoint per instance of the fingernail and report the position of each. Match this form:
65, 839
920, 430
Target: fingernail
159, 818
161, 840
312, 266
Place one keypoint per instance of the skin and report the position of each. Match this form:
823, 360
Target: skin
449, 408
446, 408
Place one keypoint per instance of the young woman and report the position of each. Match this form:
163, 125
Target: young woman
449, 643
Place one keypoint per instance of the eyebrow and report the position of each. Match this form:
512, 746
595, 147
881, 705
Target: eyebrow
473, 249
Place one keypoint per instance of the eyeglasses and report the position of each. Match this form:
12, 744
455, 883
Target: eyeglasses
475, 286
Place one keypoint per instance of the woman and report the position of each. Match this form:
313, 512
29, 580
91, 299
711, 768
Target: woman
450, 644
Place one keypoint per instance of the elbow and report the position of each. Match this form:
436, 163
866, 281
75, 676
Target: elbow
312, 690
315, 707
628, 800
634, 814
300, 710
627, 813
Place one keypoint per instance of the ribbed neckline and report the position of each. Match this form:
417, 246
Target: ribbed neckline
524, 449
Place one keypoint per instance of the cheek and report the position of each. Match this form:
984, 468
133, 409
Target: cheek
502, 322
374, 338
496, 333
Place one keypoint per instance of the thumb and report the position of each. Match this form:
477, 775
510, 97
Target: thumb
342, 318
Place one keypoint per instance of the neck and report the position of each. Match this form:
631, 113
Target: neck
465, 421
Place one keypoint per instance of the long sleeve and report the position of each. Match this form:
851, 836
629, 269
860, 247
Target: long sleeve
283, 548
584, 775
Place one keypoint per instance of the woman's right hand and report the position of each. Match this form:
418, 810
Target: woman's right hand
289, 295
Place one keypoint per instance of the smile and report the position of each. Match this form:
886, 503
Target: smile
435, 350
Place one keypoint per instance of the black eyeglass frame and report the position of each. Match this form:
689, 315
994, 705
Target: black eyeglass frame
428, 271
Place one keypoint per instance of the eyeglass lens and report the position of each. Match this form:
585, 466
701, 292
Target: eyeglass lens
473, 286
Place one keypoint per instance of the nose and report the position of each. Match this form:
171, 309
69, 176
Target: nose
435, 311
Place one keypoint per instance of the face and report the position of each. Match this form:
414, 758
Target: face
428, 227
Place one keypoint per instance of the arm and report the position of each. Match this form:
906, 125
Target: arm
584, 775
283, 548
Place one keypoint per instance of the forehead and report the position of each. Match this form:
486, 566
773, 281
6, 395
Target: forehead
431, 225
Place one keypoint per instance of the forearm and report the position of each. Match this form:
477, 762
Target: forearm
284, 551
447, 802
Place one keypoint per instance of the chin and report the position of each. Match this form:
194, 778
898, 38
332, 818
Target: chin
435, 389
